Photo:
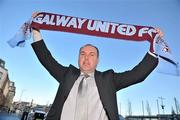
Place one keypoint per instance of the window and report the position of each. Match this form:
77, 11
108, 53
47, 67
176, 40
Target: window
11, 84
1, 75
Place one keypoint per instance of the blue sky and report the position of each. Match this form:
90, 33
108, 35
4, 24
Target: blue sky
36, 83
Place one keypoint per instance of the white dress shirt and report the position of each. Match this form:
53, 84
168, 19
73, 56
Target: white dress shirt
95, 108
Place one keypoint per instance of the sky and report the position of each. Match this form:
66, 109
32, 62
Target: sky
31, 79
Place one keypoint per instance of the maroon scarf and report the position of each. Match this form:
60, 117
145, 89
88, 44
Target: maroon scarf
50, 21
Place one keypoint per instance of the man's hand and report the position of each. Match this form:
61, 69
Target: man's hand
36, 33
158, 39
160, 33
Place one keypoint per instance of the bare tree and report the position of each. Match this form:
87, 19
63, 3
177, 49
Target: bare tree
148, 108
129, 108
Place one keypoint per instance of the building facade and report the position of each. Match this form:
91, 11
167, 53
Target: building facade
7, 87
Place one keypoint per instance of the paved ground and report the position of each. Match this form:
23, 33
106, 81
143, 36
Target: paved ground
6, 116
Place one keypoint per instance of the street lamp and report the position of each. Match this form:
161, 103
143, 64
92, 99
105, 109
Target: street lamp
162, 105
157, 106
21, 95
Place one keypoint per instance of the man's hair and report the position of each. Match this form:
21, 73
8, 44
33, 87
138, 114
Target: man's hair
91, 46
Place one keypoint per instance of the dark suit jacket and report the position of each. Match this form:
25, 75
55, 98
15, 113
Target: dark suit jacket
108, 82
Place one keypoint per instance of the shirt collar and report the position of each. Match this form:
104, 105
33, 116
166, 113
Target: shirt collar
90, 74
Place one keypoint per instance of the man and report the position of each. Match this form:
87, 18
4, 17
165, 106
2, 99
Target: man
85, 93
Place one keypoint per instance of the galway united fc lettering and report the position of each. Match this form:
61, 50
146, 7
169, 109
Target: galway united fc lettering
93, 27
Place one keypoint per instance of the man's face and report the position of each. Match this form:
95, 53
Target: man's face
88, 59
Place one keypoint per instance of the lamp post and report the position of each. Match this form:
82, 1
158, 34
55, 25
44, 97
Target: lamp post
21, 95
162, 105
143, 107
157, 106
